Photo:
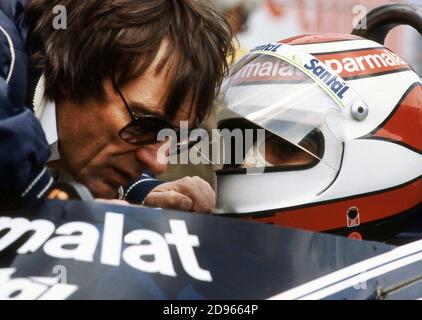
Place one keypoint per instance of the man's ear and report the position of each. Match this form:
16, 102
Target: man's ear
61, 95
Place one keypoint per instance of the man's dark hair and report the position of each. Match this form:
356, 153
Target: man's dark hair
120, 39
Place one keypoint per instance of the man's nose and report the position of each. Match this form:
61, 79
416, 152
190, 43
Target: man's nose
154, 157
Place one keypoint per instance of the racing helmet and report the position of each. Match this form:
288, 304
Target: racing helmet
342, 149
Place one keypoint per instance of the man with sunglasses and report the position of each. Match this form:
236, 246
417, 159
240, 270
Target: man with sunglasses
101, 88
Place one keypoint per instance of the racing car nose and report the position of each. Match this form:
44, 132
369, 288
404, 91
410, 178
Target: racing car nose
153, 156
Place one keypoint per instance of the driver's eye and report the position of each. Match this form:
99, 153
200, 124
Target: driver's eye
276, 151
280, 152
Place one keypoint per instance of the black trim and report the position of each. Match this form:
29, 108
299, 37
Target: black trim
243, 123
372, 75
395, 142
236, 171
404, 96
271, 212
344, 51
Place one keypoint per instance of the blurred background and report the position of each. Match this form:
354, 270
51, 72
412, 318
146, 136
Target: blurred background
260, 21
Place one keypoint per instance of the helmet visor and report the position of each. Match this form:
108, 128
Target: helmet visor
278, 97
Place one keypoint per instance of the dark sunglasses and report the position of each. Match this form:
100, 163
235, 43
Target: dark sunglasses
144, 130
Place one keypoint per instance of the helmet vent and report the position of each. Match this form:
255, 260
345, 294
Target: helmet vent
359, 111
353, 219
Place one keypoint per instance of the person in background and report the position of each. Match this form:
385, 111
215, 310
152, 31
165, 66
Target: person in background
237, 13
86, 101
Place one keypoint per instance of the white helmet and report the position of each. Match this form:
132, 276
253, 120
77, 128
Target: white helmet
350, 110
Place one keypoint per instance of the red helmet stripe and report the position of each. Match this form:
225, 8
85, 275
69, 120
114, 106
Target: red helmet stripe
330, 216
405, 121
353, 64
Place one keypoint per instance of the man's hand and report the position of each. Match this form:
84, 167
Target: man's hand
187, 194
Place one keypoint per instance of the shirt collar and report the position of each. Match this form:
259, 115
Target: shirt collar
45, 111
